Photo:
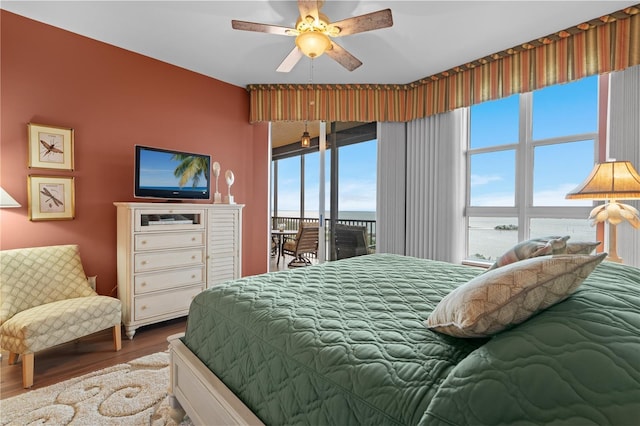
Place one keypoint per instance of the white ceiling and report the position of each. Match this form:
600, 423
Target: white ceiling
427, 37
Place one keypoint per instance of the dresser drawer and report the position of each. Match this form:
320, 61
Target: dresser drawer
168, 259
165, 303
168, 240
156, 281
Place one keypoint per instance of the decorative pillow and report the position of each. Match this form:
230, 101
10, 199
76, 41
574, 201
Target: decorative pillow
498, 299
586, 247
531, 248
564, 247
558, 244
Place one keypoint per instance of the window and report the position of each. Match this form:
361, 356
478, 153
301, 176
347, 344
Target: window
525, 152
357, 180
288, 187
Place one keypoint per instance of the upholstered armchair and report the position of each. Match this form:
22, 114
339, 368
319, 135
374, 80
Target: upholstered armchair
46, 300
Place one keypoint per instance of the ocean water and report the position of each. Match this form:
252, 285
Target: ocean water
486, 242
346, 215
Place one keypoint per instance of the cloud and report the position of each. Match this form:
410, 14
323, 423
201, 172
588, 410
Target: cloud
483, 180
548, 197
354, 195
556, 197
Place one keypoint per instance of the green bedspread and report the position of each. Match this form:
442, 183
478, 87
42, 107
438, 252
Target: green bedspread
576, 363
344, 343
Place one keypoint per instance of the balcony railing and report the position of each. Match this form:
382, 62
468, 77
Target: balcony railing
293, 223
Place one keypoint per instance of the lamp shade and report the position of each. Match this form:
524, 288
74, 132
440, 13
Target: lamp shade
313, 43
6, 200
612, 180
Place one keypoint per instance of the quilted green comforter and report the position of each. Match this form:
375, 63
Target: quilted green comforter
344, 343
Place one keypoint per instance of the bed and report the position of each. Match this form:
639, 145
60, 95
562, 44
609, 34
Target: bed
345, 342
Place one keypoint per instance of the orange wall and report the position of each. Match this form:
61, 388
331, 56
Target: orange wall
114, 99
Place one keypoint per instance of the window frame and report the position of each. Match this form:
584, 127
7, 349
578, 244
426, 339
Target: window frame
523, 208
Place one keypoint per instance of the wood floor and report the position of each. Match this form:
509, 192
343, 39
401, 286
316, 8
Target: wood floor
91, 353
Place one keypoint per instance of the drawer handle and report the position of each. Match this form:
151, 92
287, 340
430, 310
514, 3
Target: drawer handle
144, 262
193, 257
144, 307
193, 276
143, 242
143, 284
193, 238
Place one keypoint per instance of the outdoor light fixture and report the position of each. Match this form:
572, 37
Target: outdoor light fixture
305, 141
6, 200
612, 180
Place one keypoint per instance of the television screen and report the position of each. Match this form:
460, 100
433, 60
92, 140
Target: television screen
164, 173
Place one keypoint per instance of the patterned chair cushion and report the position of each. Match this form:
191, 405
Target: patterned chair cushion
31, 277
58, 322
509, 295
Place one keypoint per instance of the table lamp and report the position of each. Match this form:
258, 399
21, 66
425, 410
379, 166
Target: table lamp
6, 200
612, 181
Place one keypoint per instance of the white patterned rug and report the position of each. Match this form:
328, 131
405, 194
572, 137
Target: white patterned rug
134, 393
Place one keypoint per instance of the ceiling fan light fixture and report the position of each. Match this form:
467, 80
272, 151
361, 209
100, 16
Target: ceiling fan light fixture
313, 43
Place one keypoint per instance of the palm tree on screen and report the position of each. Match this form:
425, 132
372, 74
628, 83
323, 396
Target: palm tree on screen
191, 168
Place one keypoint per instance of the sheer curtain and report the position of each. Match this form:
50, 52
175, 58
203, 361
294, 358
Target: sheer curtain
624, 144
433, 180
391, 176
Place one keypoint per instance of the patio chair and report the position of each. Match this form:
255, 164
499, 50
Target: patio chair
350, 241
305, 244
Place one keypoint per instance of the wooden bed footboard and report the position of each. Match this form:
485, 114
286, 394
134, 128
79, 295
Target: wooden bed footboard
196, 391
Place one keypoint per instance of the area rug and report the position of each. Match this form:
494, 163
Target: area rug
134, 393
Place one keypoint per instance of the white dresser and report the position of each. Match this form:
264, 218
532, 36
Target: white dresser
169, 252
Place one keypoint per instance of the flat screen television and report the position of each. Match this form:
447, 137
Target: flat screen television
171, 174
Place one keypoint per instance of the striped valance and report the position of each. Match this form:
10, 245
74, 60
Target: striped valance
608, 43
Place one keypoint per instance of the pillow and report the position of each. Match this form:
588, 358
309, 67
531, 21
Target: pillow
498, 299
582, 247
531, 248
558, 244
565, 247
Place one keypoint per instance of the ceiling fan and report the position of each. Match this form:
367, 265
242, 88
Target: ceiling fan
314, 33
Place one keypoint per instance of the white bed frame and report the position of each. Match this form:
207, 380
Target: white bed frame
199, 393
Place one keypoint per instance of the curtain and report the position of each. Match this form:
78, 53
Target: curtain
435, 187
428, 189
624, 144
605, 44
391, 176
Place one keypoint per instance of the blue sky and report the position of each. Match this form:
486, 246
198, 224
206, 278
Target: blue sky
356, 177
157, 170
557, 111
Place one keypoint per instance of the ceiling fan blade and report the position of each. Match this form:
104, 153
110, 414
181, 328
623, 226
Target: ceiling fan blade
344, 58
291, 60
367, 22
261, 28
309, 8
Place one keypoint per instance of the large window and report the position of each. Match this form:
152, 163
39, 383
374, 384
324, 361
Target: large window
525, 153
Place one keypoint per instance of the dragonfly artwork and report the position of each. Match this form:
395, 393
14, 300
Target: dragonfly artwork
51, 201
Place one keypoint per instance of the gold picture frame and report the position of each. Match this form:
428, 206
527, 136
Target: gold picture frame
51, 197
50, 147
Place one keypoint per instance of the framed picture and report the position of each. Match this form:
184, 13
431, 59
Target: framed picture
50, 147
51, 197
